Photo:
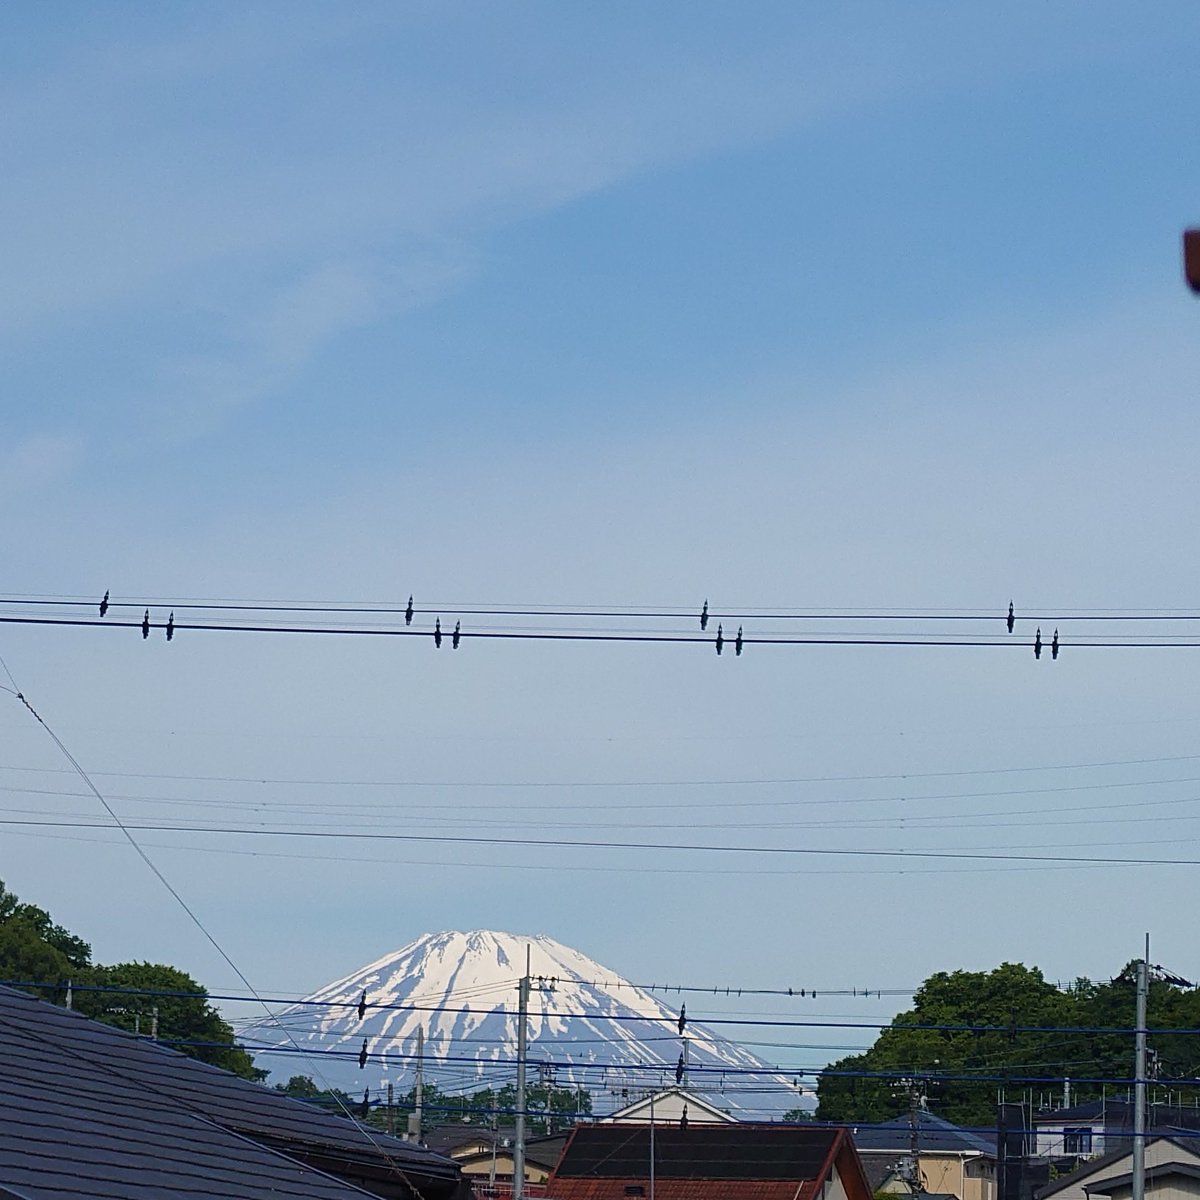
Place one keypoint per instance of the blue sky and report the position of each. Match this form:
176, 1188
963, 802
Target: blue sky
877, 305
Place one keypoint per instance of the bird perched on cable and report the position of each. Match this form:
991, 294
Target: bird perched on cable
704, 617
104, 605
682, 1017
170, 627
1037, 643
146, 625
720, 639
408, 612
683, 1119
437, 633
679, 1070
362, 1005
362, 1055
1054, 645
1012, 616
737, 645
457, 635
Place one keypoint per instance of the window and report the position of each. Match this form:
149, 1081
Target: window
634, 1189
1077, 1140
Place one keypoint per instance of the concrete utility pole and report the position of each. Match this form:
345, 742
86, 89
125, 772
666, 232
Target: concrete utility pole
651, 1197
419, 1091
414, 1118
1139, 1078
522, 1048
914, 1135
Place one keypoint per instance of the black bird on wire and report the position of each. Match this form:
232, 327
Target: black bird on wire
437, 633
720, 640
146, 625
704, 617
457, 635
362, 1005
362, 1055
679, 1071
682, 1017
104, 605
170, 627
1012, 616
737, 645
683, 1120
1037, 643
408, 612
1054, 645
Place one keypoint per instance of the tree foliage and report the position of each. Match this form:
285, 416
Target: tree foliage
1006, 1036
35, 949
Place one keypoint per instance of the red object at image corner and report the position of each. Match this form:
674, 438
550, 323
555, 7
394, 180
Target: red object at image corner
1191, 258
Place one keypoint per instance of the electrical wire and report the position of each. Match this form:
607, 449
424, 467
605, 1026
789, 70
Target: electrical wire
997, 642
667, 1018
671, 847
641, 783
624, 612
175, 894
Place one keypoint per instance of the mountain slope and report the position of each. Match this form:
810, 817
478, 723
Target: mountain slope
588, 1028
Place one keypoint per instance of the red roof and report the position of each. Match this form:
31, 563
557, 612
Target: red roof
706, 1162
681, 1189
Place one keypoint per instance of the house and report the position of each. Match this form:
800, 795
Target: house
1099, 1127
485, 1157
951, 1160
1172, 1167
668, 1107
740, 1161
87, 1110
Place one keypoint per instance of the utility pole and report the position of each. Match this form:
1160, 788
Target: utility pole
391, 1109
914, 1135
419, 1090
651, 1197
1139, 1078
522, 1048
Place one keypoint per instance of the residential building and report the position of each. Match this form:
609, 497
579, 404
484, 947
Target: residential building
949, 1160
668, 1107
1172, 1169
739, 1161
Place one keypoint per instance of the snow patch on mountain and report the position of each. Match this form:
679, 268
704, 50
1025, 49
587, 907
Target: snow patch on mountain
588, 1028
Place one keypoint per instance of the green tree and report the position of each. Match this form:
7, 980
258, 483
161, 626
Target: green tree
1009, 1024
34, 949
303, 1087
187, 1020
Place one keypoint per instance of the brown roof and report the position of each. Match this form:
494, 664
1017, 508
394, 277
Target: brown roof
706, 1162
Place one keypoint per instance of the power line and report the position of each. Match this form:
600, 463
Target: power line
188, 910
933, 640
589, 844
649, 783
616, 612
667, 1019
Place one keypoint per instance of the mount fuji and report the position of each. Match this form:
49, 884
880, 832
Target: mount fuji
588, 1028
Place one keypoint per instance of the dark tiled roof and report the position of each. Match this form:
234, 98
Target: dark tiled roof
1165, 1171
711, 1152
935, 1134
90, 1111
1096, 1166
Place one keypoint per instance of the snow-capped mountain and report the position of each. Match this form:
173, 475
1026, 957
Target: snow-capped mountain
588, 1028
